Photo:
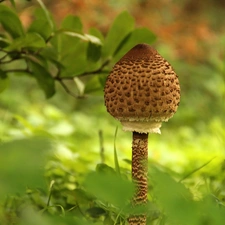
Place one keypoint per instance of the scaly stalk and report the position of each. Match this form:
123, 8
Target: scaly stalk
139, 175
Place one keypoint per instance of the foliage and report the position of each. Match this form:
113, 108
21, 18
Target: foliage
44, 53
48, 153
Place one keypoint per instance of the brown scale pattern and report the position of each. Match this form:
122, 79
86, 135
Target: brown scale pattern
139, 165
137, 220
142, 85
139, 174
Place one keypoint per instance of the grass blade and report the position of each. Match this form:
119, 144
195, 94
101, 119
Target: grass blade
195, 170
117, 167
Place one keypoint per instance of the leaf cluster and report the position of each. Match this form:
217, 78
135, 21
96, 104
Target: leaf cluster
51, 53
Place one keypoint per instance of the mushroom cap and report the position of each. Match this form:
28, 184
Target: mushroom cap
142, 90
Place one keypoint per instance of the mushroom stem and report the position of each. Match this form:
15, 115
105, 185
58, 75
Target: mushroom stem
139, 174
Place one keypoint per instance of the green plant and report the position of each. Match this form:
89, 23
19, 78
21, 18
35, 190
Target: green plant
60, 187
64, 53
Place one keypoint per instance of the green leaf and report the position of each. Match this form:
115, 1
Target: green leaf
72, 23
40, 22
121, 27
79, 196
93, 85
112, 189
96, 212
4, 81
93, 52
97, 33
23, 164
108, 220
104, 168
10, 22
139, 35
93, 39
73, 49
29, 41
4, 41
84, 37
209, 211
44, 78
80, 86
167, 187
50, 53
13, 3
174, 198
47, 14
73, 56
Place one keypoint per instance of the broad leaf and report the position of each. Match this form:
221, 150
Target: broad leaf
95, 46
93, 85
93, 52
73, 50
22, 164
4, 41
174, 198
95, 212
72, 23
80, 86
13, 3
50, 54
84, 37
139, 35
47, 14
105, 169
44, 78
29, 41
121, 27
40, 22
10, 22
73, 56
97, 33
79, 196
112, 189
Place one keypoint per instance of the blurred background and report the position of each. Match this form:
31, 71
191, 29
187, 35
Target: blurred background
190, 35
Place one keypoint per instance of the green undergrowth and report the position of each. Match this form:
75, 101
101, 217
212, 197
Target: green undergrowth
102, 196
80, 175
55, 172
61, 161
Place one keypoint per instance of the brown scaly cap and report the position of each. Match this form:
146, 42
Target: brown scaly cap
142, 90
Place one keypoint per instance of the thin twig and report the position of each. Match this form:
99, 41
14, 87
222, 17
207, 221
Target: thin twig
46, 42
57, 77
98, 71
67, 89
60, 79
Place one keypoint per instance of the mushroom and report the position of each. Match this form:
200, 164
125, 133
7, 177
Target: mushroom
141, 91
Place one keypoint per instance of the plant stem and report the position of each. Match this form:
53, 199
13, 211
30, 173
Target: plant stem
139, 175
